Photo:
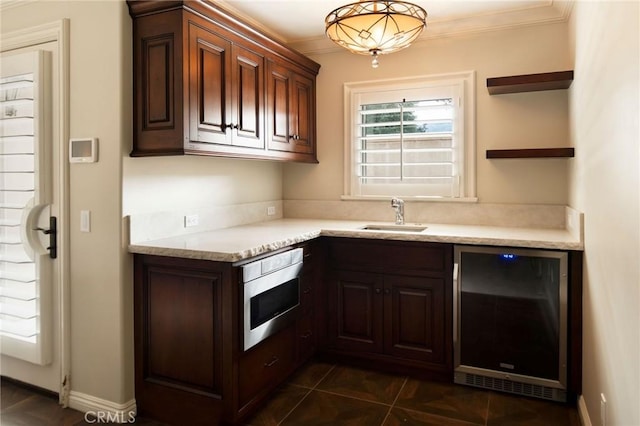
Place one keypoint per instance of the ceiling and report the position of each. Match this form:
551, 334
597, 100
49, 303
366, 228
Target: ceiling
300, 23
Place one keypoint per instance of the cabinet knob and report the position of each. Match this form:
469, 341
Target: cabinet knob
387, 291
377, 291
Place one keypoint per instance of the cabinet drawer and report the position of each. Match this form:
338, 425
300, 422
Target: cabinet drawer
306, 292
306, 337
265, 365
414, 258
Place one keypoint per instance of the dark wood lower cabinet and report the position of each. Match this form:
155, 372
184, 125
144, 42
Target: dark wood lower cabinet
181, 312
190, 367
396, 317
414, 312
386, 305
265, 364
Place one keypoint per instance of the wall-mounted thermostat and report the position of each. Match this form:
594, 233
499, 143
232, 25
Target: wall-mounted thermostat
83, 150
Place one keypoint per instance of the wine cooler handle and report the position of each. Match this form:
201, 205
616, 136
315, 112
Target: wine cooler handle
456, 307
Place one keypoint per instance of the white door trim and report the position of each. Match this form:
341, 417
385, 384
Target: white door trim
57, 32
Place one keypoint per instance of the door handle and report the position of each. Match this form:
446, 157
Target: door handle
51, 232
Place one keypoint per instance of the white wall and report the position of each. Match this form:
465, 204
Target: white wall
527, 120
604, 103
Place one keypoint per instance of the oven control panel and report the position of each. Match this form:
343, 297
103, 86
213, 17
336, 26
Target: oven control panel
259, 268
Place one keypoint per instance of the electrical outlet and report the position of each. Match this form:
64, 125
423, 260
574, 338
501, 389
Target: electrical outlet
271, 210
603, 410
191, 220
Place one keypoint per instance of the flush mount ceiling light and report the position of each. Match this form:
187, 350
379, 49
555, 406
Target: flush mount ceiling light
375, 27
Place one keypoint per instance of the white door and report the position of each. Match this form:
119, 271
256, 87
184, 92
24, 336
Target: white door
32, 179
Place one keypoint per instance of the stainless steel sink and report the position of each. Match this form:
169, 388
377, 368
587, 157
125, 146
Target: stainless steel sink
395, 228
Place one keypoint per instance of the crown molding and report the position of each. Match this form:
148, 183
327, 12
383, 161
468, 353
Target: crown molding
551, 12
224, 4
12, 4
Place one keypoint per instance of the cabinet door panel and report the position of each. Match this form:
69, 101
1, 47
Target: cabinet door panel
182, 312
414, 314
356, 323
248, 98
208, 87
302, 114
278, 108
158, 85
158, 82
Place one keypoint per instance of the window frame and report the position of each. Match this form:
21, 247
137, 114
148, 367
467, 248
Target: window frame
465, 82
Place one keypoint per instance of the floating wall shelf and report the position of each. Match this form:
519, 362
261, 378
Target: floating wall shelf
531, 153
530, 82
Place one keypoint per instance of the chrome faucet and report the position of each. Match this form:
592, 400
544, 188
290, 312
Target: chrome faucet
398, 204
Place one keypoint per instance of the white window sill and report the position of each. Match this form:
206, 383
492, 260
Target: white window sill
409, 198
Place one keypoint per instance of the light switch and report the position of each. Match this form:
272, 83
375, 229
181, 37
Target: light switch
85, 221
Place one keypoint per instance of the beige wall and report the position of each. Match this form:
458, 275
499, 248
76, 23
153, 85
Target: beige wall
604, 103
102, 351
100, 266
100, 72
527, 120
188, 182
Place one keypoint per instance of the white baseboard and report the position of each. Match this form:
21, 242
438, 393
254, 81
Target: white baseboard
582, 411
102, 410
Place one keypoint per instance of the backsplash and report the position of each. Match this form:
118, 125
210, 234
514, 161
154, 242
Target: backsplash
154, 226
508, 215
158, 225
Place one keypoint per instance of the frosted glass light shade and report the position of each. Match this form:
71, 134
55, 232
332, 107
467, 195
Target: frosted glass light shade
375, 27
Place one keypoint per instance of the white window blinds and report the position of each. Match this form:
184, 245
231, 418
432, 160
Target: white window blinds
25, 270
410, 143
407, 138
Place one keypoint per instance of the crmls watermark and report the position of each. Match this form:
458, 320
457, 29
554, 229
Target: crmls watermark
109, 417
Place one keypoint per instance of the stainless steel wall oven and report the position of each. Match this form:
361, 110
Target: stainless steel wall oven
271, 295
510, 320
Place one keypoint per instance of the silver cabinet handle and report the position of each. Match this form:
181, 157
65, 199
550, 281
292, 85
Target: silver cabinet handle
274, 360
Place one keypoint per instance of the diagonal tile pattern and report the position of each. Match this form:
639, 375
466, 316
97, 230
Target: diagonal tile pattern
336, 395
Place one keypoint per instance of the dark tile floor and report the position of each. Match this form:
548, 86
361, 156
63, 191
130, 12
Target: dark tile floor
333, 395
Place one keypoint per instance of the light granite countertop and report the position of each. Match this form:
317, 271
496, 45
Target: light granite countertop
246, 241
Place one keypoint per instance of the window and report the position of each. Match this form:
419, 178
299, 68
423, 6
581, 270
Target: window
412, 138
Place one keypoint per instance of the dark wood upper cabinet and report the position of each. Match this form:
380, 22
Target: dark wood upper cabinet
290, 109
201, 84
226, 94
209, 87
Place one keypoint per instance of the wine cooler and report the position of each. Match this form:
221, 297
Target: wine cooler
510, 320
